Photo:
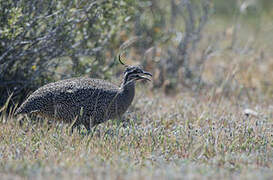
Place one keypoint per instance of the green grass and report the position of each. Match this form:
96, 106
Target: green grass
186, 137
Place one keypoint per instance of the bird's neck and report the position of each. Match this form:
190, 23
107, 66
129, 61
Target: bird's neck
128, 91
128, 87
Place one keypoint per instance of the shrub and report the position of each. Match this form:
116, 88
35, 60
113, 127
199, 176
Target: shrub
36, 37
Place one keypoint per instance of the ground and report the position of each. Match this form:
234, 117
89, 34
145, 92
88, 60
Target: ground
186, 136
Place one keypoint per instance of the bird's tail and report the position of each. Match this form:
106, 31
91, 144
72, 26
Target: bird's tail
24, 109
19, 111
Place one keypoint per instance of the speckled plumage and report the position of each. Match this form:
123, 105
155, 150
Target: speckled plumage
84, 101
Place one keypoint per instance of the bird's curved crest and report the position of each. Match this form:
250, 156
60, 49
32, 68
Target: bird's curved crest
121, 62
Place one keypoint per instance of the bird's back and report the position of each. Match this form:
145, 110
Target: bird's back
66, 98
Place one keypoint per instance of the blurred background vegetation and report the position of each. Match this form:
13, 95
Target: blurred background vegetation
187, 44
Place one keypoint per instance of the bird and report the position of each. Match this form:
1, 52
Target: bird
84, 101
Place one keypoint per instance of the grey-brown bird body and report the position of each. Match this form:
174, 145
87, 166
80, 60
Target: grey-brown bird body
84, 101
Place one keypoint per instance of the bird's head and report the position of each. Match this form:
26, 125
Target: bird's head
134, 73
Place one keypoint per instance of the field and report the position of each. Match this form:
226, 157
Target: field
190, 136
222, 131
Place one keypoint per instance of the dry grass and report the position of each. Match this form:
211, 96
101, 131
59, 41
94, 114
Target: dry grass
191, 135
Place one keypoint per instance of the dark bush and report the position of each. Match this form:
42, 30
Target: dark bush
36, 37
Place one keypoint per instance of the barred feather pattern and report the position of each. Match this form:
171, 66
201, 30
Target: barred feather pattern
84, 101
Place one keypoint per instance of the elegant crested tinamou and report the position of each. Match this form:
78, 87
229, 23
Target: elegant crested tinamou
83, 100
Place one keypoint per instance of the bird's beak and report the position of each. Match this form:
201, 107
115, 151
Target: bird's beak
145, 76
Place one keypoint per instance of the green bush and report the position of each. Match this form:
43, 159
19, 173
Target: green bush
44, 41
36, 37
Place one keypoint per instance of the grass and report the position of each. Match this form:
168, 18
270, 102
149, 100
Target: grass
190, 135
